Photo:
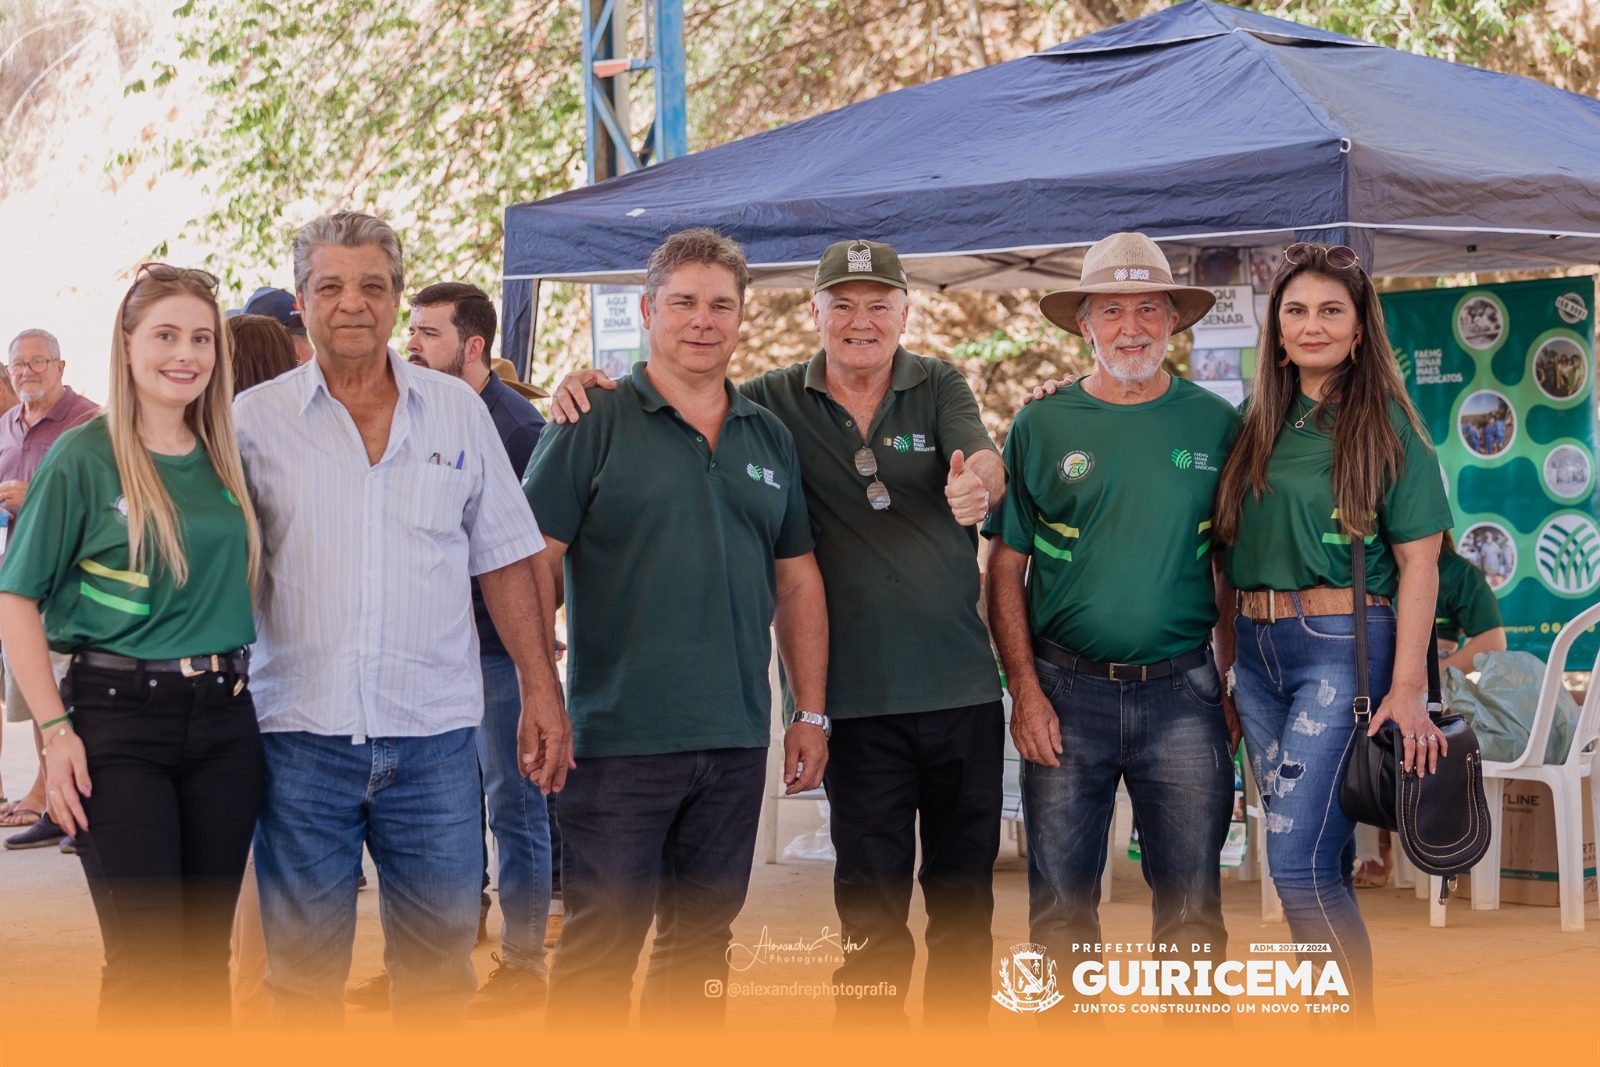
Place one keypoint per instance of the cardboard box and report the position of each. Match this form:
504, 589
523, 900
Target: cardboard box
1528, 847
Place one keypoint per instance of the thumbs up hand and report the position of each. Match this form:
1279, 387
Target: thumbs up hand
969, 500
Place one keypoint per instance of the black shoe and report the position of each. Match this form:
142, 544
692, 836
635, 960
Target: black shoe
372, 993
69, 846
42, 833
361, 881
507, 991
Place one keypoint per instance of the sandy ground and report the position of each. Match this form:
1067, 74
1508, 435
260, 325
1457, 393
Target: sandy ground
1535, 974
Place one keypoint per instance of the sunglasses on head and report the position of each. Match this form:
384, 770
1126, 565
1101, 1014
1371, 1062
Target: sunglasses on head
1339, 257
165, 272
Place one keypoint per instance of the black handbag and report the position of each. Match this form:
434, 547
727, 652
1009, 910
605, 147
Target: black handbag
1442, 819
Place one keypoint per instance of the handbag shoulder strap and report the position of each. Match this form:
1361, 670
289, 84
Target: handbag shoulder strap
1362, 705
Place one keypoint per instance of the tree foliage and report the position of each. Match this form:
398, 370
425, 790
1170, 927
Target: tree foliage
427, 112
439, 113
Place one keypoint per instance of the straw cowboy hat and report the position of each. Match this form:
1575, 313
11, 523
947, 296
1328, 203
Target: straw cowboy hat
1126, 263
506, 371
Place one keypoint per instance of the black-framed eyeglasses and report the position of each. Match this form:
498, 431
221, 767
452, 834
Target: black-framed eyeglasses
1339, 257
867, 466
166, 272
38, 364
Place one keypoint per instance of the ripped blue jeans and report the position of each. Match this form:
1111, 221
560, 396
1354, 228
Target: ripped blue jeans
1294, 680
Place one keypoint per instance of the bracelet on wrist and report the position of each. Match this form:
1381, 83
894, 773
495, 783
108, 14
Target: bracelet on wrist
46, 725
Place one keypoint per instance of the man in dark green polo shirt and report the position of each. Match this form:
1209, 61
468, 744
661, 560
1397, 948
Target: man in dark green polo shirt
1102, 599
677, 528
898, 470
1468, 617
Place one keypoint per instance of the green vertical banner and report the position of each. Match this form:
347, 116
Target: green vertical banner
1504, 377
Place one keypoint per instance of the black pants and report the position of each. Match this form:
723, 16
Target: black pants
177, 771
668, 837
882, 772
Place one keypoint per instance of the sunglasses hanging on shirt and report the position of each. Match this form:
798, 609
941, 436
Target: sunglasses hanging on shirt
867, 466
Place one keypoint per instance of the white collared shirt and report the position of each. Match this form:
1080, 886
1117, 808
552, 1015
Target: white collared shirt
364, 615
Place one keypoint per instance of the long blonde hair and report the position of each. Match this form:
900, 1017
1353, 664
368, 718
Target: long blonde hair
151, 514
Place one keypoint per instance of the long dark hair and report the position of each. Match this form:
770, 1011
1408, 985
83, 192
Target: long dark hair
262, 349
1367, 451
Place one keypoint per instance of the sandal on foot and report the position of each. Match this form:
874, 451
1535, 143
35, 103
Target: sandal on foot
19, 816
1371, 874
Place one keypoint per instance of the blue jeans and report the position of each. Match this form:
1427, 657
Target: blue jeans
1294, 681
520, 820
416, 803
1168, 740
667, 837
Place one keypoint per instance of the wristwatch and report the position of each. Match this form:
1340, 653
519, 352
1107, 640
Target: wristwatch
811, 718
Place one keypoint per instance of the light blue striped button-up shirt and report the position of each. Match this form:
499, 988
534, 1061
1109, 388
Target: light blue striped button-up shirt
364, 616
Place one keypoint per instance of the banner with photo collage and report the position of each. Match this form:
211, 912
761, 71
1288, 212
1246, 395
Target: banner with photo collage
1504, 377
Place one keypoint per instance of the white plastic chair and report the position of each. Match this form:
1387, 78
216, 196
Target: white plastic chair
1564, 779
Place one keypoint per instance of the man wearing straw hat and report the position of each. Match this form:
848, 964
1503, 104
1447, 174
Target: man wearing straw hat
1106, 645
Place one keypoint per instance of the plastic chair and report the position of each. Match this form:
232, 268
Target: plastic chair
1564, 779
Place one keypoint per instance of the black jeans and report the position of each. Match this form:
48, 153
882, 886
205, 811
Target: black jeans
883, 771
177, 773
669, 837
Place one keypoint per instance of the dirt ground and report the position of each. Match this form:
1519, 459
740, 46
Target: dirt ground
1485, 969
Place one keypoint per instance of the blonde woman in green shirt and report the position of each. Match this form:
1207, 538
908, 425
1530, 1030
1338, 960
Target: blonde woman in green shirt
135, 554
1331, 449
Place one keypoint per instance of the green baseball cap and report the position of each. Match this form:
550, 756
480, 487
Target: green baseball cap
859, 261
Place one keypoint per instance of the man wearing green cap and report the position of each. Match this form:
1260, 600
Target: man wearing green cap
897, 470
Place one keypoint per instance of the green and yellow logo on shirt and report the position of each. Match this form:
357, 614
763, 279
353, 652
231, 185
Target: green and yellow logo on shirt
1075, 466
119, 506
227, 494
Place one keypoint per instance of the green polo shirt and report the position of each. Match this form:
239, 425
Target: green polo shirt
670, 573
1467, 606
69, 552
1113, 502
1291, 537
904, 633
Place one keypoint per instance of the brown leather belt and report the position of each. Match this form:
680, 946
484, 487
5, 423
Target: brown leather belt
1266, 605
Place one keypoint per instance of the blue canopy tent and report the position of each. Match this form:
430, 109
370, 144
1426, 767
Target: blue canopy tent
1203, 126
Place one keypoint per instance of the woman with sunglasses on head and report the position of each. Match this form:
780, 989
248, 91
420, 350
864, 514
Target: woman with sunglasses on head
1331, 449
137, 547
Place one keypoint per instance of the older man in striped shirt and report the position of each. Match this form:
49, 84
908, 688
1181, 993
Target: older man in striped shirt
381, 488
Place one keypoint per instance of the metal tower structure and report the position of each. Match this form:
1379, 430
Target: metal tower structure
616, 329
609, 143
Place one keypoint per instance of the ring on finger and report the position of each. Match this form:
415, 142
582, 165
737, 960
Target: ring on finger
1410, 737
1433, 739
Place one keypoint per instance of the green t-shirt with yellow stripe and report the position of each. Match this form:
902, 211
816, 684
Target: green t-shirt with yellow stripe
1113, 502
1292, 538
69, 552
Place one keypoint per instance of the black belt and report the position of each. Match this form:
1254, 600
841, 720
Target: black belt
1066, 659
235, 662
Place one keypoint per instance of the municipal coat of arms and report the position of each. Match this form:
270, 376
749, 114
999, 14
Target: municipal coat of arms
1028, 980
